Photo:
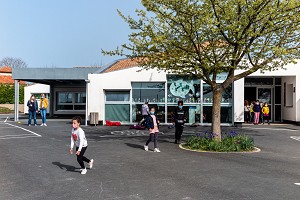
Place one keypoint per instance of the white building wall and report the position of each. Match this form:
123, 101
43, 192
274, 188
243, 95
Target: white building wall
289, 113
34, 89
238, 101
117, 80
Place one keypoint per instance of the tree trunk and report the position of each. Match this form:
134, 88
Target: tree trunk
216, 114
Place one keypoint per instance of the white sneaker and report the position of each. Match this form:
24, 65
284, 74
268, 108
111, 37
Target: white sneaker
157, 150
146, 148
42, 124
91, 163
35, 125
45, 124
83, 171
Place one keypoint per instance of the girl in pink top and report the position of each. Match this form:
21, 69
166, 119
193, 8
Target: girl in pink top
151, 122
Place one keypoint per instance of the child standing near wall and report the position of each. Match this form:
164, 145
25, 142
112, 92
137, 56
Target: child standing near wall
266, 113
78, 138
151, 123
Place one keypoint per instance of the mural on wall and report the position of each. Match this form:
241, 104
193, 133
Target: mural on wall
183, 88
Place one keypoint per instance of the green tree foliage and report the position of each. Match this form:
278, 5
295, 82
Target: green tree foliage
203, 38
7, 94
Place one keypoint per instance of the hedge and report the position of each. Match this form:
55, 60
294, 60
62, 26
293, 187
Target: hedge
7, 94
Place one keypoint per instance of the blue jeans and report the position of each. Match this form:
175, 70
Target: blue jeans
32, 114
43, 114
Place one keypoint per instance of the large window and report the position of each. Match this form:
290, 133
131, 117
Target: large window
151, 92
117, 96
117, 106
183, 88
154, 93
70, 101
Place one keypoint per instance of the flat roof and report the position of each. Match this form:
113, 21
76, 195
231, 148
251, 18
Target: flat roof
53, 75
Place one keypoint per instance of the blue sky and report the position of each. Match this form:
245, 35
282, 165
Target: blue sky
63, 33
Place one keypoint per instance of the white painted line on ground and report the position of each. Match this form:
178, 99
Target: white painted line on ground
295, 138
273, 129
29, 136
1, 136
24, 129
6, 120
297, 184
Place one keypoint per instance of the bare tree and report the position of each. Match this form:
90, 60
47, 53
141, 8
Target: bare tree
13, 62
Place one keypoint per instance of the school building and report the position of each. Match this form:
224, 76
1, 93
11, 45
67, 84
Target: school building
117, 93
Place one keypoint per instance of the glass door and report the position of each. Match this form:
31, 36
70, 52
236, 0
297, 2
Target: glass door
264, 95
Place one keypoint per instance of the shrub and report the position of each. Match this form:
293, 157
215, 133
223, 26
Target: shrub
7, 94
231, 142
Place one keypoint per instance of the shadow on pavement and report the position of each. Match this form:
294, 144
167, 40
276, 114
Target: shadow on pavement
67, 167
136, 146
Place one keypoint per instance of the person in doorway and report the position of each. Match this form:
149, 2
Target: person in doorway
247, 111
257, 110
32, 110
152, 123
78, 138
261, 117
145, 111
266, 113
43, 109
179, 118
252, 111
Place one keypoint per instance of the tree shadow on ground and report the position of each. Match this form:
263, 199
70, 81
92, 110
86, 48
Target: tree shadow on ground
68, 168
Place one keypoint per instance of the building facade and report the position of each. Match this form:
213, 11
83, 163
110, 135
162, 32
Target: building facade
118, 92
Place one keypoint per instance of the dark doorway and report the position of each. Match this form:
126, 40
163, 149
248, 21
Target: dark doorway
250, 94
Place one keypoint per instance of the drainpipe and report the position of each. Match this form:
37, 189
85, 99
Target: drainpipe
86, 101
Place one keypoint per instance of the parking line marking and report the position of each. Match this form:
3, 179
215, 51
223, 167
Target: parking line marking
29, 136
297, 184
1, 136
295, 138
278, 129
24, 129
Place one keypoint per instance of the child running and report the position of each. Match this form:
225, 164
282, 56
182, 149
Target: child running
151, 123
78, 137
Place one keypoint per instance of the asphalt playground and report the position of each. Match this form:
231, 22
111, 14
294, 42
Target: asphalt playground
36, 164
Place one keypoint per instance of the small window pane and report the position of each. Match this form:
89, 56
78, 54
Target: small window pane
208, 94
64, 97
64, 107
79, 107
117, 112
226, 114
147, 85
278, 95
277, 81
80, 97
277, 114
117, 96
150, 95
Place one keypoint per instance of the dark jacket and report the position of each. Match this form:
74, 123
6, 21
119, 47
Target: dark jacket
179, 116
32, 106
148, 122
256, 108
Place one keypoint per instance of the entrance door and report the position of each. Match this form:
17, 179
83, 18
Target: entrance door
264, 95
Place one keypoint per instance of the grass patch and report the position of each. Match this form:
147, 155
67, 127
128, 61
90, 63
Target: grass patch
4, 110
231, 142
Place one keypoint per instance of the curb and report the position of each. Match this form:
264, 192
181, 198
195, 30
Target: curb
256, 150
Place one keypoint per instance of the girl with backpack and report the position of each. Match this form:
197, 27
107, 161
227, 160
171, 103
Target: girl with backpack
151, 122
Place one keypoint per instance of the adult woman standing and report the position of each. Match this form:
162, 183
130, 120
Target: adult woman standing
32, 109
43, 109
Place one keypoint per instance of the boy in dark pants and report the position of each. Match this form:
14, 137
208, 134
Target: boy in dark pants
179, 118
